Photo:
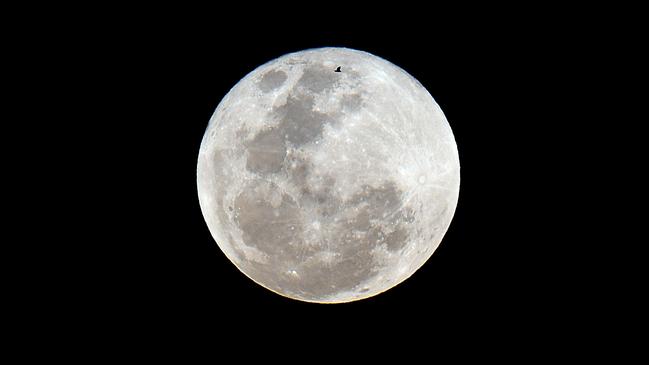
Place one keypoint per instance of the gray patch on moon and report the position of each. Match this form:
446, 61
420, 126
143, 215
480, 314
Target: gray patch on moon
267, 225
272, 80
299, 123
396, 239
317, 78
382, 217
266, 152
298, 170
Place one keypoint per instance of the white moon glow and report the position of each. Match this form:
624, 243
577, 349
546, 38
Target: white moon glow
324, 185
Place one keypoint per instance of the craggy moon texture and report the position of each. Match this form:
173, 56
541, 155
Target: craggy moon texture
327, 186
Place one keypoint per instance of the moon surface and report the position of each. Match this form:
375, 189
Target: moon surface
328, 185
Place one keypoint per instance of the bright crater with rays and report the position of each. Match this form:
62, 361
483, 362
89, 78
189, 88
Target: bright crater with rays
328, 186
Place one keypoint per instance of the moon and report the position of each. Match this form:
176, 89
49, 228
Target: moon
328, 175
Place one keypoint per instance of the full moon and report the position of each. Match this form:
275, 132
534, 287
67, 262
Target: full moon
328, 175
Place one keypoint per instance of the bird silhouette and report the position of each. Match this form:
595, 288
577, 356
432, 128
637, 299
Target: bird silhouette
338, 69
